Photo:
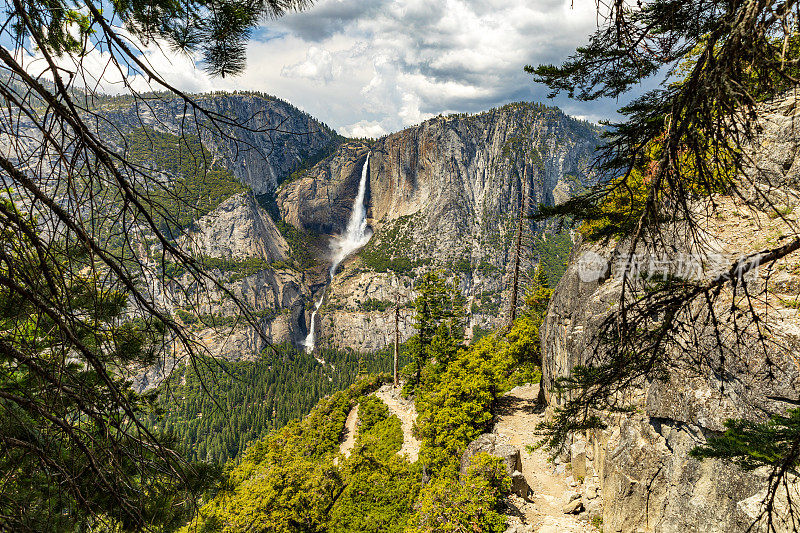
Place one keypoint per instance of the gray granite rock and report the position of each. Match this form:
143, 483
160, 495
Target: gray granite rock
443, 193
647, 479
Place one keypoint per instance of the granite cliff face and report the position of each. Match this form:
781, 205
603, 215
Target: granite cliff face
238, 228
648, 481
446, 193
273, 139
241, 247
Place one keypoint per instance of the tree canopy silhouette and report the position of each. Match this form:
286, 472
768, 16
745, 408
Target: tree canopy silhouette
678, 149
87, 231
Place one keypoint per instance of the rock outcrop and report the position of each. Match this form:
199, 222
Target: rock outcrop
487, 443
239, 247
648, 481
237, 229
444, 194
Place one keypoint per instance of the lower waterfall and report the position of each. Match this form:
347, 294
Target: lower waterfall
355, 235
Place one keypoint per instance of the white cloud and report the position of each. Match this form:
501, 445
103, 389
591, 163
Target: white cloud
363, 128
371, 66
97, 69
402, 61
319, 65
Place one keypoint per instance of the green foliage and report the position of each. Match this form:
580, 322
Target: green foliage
300, 243
373, 304
552, 251
288, 482
445, 505
380, 486
251, 398
71, 452
752, 445
240, 267
463, 265
523, 337
371, 411
439, 320
460, 387
455, 401
388, 251
197, 184
205, 320
236, 269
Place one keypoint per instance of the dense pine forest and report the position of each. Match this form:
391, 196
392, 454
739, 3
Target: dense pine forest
218, 408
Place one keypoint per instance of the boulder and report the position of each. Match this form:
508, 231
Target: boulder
510, 456
487, 443
573, 507
519, 485
483, 444
593, 507
578, 458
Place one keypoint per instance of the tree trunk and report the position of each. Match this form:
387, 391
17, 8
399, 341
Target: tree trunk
396, 343
518, 252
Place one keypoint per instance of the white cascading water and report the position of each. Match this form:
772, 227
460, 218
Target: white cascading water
355, 235
357, 232
308, 343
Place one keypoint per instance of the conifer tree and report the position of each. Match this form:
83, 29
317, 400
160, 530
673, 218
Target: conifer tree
79, 311
679, 145
439, 321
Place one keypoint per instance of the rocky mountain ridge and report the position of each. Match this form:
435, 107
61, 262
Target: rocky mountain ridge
445, 194
259, 138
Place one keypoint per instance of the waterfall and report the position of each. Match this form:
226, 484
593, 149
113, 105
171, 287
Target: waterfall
308, 343
355, 235
357, 232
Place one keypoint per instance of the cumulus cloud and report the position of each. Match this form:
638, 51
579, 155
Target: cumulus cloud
319, 65
402, 61
363, 128
367, 67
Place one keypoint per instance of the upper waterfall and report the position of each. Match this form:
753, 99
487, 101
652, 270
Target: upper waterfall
355, 235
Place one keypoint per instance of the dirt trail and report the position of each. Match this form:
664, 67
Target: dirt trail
349, 433
518, 416
405, 411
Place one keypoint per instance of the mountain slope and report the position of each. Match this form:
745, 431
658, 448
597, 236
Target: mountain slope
272, 139
444, 194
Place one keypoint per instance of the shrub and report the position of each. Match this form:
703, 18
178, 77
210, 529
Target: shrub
446, 505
